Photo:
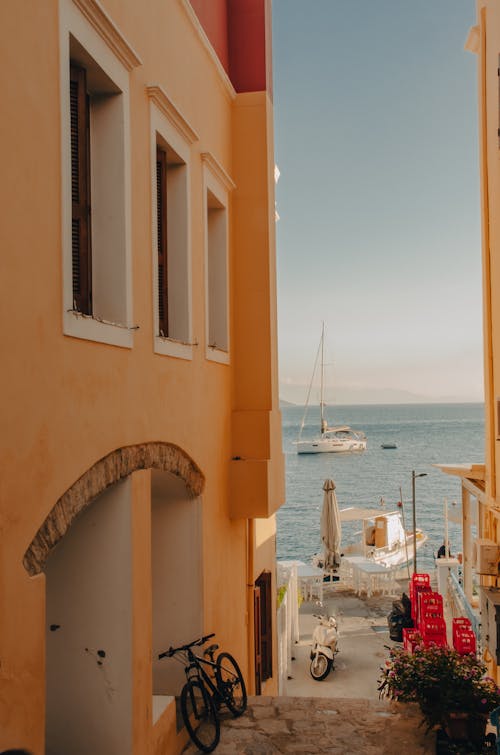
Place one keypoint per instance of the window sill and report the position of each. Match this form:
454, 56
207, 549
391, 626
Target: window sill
82, 326
217, 355
170, 348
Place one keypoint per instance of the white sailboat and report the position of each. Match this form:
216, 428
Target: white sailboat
341, 439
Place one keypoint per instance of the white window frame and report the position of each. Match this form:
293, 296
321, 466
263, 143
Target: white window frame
168, 127
85, 22
217, 183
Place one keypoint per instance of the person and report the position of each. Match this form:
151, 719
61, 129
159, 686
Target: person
442, 551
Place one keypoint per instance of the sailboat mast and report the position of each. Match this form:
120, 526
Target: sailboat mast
306, 407
322, 375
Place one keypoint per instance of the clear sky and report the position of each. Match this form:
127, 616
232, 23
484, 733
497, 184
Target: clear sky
376, 139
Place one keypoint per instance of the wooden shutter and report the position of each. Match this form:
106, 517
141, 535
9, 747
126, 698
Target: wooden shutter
257, 643
161, 211
266, 624
80, 192
267, 628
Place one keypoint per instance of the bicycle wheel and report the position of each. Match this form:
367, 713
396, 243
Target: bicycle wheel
231, 684
199, 716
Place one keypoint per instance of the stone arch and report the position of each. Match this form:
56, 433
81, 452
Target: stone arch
106, 472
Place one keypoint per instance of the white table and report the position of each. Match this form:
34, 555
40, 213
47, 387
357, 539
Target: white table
310, 581
309, 578
368, 576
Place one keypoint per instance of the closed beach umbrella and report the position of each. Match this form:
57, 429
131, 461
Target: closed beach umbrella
331, 530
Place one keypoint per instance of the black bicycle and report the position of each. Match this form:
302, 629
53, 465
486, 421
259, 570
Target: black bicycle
209, 684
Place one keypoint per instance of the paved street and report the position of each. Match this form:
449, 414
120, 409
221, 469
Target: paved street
342, 714
304, 725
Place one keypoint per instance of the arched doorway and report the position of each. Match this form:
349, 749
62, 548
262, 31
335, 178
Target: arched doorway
95, 565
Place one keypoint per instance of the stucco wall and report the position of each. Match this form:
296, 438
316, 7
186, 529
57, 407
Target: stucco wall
89, 631
69, 402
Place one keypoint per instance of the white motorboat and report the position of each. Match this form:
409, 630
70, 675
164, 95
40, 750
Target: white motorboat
383, 538
342, 439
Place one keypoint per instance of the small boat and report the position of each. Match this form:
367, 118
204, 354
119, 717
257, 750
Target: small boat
388, 445
383, 539
341, 439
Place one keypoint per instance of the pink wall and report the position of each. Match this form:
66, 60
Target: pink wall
247, 44
238, 30
213, 17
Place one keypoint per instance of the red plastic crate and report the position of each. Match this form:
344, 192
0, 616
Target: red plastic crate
430, 606
432, 600
433, 626
459, 623
418, 580
418, 589
465, 641
411, 638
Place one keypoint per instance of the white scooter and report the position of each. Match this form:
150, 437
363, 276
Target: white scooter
324, 646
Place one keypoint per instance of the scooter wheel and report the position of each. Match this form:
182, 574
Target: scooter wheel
320, 667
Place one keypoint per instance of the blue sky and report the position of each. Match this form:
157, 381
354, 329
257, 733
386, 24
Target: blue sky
379, 232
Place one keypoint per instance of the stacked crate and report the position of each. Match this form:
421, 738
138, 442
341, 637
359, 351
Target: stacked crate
427, 613
411, 638
430, 618
464, 639
419, 583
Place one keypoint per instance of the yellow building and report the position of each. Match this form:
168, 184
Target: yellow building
141, 443
481, 483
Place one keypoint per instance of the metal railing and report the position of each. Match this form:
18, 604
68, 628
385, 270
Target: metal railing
459, 605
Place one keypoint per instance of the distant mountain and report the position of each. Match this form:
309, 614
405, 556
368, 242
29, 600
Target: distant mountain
344, 395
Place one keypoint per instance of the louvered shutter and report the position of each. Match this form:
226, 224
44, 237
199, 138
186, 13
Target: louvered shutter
80, 192
161, 212
266, 626
267, 629
257, 636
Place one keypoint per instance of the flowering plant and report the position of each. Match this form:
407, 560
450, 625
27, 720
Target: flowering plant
440, 680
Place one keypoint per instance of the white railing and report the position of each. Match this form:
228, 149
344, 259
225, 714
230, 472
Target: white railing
287, 622
459, 605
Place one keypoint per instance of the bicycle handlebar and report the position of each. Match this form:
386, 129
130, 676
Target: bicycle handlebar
171, 651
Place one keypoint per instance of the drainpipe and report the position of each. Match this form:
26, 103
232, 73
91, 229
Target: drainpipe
250, 606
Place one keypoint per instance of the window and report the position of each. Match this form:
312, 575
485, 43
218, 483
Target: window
161, 207
217, 273
216, 188
172, 271
171, 138
97, 294
80, 191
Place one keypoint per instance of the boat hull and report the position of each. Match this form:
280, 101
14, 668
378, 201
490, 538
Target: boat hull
330, 445
391, 558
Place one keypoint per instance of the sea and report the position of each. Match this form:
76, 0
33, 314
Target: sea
425, 435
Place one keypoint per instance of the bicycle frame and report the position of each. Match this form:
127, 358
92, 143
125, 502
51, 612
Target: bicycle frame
195, 669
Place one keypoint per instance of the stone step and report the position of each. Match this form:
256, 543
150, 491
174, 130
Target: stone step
310, 725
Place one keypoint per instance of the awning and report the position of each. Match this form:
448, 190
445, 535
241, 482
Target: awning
471, 471
354, 513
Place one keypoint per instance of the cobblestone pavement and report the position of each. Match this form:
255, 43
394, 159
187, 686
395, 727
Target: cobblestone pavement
339, 726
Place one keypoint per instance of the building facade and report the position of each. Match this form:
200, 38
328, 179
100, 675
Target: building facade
481, 483
141, 434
